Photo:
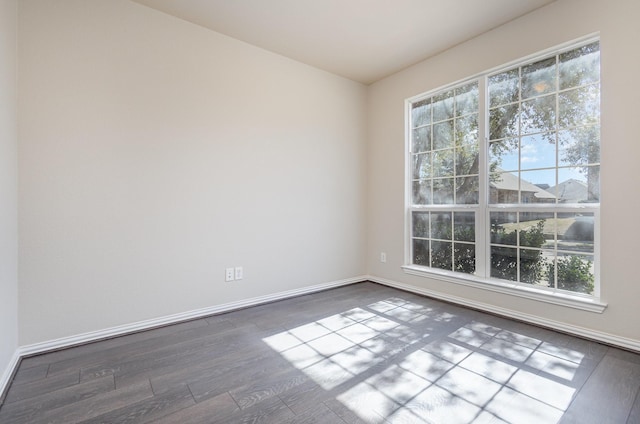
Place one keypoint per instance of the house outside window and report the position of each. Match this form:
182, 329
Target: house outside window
503, 175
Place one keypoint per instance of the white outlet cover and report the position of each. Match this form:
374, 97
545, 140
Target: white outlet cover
229, 274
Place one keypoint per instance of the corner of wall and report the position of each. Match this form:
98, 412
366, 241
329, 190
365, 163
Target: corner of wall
9, 356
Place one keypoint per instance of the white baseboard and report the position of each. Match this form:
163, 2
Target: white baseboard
65, 342
607, 338
11, 368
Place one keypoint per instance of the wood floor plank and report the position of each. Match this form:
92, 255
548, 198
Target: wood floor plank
39, 387
169, 377
29, 374
117, 354
196, 348
271, 410
263, 388
27, 410
346, 414
210, 411
318, 414
148, 409
96, 406
89, 349
304, 397
634, 414
215, 363
614, 383
236, 375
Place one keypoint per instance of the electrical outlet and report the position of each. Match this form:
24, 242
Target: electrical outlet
239, 273
383, 257
229, 274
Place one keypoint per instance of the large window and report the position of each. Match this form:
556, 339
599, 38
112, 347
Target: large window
504, 175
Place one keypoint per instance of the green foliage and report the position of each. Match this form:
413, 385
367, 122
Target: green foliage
574, 274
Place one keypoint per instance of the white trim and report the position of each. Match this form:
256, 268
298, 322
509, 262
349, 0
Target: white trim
585, 303
611, 339
7, 376
92, 336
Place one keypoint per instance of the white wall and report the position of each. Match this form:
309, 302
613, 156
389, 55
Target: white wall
8, 187
557, 23
155, 153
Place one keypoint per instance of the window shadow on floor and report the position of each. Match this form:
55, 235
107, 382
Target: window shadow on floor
400, 360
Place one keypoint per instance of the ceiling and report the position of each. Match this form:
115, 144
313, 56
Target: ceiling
363, 40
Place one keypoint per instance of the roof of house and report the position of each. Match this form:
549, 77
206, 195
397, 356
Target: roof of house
571, 191
509, 181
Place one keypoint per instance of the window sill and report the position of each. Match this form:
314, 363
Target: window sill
585, 303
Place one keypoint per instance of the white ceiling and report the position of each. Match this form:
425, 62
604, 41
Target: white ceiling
363, 40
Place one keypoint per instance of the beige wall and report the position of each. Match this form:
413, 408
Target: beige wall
557, 23
155, 153
8, 186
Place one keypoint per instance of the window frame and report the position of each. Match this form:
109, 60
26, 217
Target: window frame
481, 279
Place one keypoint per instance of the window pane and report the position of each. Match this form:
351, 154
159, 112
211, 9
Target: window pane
574, 273
539, 78
464, 226
421, 166
533, 185
579, 107
467, 161
503, 187
532, 267
464, 256
441, 225
467, 99
538, 151
443, 106
539, 114
467, 130
579, 146
443, 135
504, 263
421, 141
420, 224
421, 252
504, 228
504, 88
503, 122
443, 163
504, 155
421, 113
537, 229
576, 233
579, 184
441, 255
467, 190
580, 66
531, 228
443, 191
422, 192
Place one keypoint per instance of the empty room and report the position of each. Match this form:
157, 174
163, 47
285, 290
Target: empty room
319, 211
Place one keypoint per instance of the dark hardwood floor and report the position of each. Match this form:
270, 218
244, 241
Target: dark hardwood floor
360, 353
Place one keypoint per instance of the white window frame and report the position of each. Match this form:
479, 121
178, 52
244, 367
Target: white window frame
481, 278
